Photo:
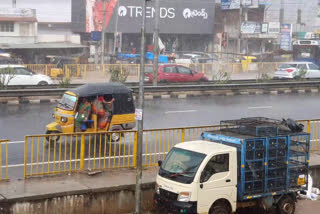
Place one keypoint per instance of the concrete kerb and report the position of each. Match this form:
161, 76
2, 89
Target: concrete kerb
168, 95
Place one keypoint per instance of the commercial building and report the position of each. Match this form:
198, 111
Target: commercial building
184, 25
33, 29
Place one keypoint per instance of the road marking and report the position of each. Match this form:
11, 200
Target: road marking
185, 111
259, 107
78, 160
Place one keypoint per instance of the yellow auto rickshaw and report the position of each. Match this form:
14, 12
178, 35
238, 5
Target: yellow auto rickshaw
58, 63
122, 116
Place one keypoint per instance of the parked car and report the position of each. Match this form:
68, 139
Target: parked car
174, 73
20, 75
291, 70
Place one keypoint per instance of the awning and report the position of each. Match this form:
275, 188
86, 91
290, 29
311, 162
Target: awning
52, 45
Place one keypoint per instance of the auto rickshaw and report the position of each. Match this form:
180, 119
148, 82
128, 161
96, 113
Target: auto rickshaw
122, 116
60, 61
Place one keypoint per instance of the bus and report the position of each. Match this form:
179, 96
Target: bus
307, 51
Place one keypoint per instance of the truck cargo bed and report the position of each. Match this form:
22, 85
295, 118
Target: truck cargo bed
267, 164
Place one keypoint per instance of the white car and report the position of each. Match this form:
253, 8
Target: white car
291, 70
20, 75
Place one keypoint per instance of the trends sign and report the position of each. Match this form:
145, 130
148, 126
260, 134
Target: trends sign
179, 16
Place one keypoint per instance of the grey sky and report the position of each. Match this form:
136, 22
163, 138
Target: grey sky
47, 10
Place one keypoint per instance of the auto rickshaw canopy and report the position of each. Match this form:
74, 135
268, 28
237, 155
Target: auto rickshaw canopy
123, 104
97, 89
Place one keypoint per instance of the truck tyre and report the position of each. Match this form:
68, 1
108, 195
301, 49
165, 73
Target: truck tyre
219, 209
286, 205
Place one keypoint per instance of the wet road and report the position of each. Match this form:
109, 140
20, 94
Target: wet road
21, 120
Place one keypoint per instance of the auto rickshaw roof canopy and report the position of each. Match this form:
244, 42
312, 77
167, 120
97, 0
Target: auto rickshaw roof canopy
97, 89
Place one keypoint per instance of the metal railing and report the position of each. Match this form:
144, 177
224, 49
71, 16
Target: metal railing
4, 159
83, 70
63, 153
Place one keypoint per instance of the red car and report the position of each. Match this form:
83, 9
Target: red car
174, 73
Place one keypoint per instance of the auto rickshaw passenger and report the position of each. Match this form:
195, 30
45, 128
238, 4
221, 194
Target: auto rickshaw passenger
83, 114
103, 109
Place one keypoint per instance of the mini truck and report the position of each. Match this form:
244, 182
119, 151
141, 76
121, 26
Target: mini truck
250, 162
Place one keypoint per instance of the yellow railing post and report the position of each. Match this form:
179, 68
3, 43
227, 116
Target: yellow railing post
85, 71
25, 155
308, 126
46, 69
183, 133
135, 148
82, 151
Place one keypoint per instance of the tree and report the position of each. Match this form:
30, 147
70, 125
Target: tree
6, 75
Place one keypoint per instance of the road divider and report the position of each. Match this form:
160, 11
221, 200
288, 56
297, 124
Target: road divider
180, 91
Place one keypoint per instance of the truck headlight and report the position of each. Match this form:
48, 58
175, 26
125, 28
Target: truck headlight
157, 189
64, 119
184, 196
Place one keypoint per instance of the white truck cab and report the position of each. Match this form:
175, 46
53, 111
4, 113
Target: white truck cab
198, 177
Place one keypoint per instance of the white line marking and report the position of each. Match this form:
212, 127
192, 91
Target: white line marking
78, 160
259, 107
185, 111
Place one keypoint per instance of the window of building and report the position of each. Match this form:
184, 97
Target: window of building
6, 27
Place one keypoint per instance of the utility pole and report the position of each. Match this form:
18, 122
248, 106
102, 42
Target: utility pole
103, 31
156, 43
281, 15
240, 23
14, 3
140, 108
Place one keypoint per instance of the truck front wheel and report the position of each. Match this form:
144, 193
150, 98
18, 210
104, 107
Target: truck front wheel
219, 209
286, 205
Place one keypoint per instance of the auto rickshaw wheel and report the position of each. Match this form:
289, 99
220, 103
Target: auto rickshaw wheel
52, 138
115, 137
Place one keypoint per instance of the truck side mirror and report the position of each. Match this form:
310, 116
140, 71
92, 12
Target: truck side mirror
159, 163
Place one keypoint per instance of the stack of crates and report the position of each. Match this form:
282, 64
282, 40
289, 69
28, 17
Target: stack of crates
271, 159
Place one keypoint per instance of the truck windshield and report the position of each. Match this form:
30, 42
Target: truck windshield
181, 165
67, 102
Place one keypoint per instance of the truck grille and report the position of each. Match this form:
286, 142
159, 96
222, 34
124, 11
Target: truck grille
168, 195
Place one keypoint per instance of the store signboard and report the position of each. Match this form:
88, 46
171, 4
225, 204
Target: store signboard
250, 28
274, 27
286, 37
179, 16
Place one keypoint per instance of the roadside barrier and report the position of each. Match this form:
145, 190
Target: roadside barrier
209, 69
64, 153
4, 159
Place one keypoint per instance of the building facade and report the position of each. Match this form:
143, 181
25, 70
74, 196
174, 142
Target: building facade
33, 29
184, 25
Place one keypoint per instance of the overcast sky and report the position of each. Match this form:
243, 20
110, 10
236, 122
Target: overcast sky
47, 10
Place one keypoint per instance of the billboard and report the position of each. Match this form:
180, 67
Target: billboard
286, 37
180, 16
236, 4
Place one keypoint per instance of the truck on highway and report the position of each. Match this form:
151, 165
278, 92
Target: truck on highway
249, 162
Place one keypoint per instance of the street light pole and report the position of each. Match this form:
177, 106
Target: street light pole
140, 109
156, 44
103, 30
